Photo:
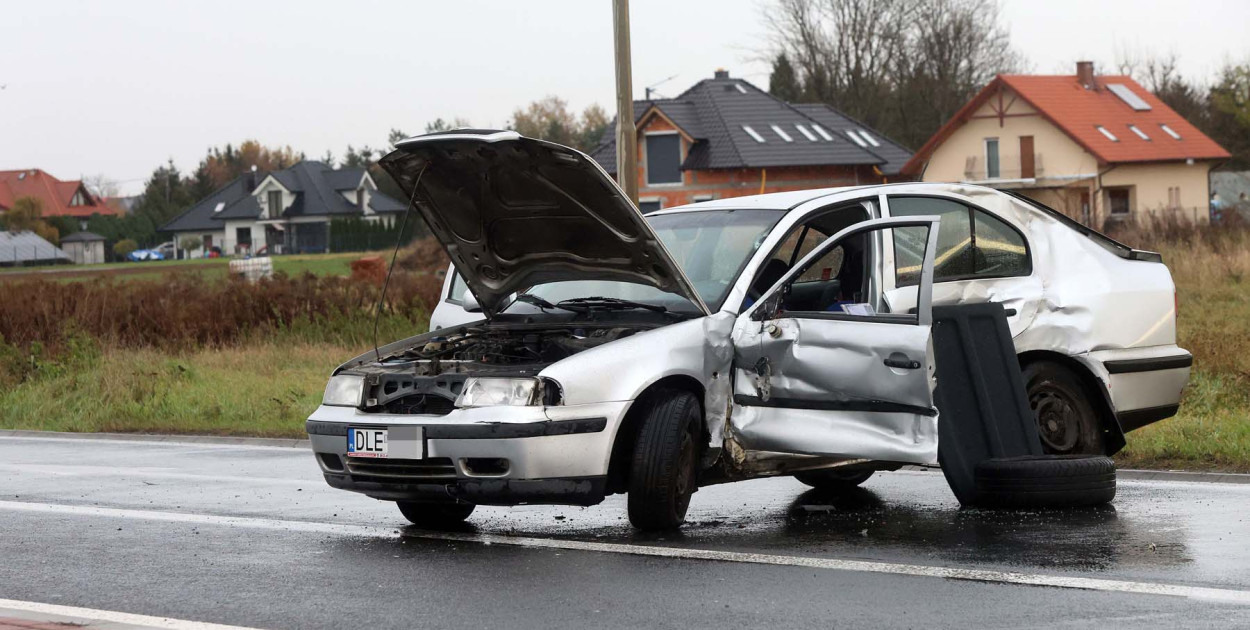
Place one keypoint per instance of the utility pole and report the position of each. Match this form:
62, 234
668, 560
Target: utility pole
626, 134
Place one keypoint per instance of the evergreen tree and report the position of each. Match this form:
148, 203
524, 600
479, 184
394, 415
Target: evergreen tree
783, 82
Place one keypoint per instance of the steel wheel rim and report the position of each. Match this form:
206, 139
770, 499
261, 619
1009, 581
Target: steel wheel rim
1058, 423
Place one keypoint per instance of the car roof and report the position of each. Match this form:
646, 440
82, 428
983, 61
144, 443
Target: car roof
792, 199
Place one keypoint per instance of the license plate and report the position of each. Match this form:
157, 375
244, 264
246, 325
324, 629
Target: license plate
392, 442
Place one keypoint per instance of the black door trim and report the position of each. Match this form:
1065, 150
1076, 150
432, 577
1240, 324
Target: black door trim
1128, 366
877, 406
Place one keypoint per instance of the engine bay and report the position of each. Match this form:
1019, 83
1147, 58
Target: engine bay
427, 376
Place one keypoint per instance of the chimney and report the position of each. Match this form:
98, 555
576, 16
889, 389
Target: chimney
1085, 74
249, 181
721, 73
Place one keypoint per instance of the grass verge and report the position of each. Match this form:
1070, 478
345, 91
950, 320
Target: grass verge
265, 390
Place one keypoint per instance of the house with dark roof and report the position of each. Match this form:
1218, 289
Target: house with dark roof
1097, 148
60, 198
287, 211
724, 137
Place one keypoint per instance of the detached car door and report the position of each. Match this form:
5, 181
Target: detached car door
840, 374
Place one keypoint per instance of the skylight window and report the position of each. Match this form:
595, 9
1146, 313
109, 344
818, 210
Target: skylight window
1129, 97
740, 88
1106, 132
871, 140
1168, 130
858, 140
824, 134
221, 205
1140, 134
751, 132
782, 132
806, 132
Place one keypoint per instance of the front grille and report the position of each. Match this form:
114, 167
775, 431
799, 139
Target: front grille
401, 470
420, 403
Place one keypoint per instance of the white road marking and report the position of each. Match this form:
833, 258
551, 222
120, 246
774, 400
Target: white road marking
91, 615
175, 443
61, 470
835, 564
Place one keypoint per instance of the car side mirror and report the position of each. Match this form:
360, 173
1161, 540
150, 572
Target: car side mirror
468, 302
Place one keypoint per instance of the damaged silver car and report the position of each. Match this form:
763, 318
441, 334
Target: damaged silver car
584, 350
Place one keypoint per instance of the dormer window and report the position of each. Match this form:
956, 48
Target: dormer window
78, 199
663, 158
275, 204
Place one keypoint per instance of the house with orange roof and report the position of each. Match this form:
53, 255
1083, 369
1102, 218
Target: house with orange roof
1097, 148
60, 198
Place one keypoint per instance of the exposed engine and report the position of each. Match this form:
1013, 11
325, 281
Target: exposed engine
427, 378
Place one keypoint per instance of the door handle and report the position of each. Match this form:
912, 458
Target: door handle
903, 363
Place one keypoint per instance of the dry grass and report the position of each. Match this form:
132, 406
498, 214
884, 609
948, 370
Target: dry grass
1211, 268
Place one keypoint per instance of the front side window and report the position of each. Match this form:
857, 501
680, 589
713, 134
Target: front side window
972, 243
455, 295
663, 159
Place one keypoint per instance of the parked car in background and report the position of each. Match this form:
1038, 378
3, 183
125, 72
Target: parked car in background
582, 349
141, 255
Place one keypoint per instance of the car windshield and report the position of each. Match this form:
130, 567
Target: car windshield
712, 246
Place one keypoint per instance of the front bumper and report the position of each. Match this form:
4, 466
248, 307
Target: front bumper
554, 455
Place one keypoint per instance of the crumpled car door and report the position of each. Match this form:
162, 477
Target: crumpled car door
848, 382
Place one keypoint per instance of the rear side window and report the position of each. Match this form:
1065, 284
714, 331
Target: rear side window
971, 243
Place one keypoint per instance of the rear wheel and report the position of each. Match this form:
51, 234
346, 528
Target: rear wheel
664, 473
1065, 417
832, 479
435, 514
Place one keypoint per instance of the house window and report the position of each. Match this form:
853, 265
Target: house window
77, 200
1140, 134
1168, 130
360, 199
1106, 132
243, 237
806, 132
754, 134
208, 242
649, 205
782, 132
275, 204
663, 158
991, 158
1174, 197
1118, 201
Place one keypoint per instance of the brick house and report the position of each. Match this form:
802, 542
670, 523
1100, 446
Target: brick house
724, 137
1097, 148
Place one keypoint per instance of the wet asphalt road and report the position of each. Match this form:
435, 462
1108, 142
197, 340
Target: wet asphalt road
251, 536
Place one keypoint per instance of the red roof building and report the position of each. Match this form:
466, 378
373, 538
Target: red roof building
60, 198
1094, 147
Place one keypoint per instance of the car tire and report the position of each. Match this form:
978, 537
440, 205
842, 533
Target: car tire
833, 480
1045, 481
664, 471
1066, 420
435, 514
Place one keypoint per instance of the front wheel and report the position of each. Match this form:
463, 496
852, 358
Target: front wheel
664, 473
435, 515
1065, 417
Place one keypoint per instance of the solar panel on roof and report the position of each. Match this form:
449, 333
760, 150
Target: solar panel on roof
1129, 97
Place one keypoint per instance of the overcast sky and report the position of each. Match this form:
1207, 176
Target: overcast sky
117, 87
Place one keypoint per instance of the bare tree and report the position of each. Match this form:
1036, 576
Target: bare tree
101, 185
901, 66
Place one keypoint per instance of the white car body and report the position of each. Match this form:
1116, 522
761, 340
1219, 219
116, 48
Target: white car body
1106, 311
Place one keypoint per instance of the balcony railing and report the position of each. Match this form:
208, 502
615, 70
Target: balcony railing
1009, 167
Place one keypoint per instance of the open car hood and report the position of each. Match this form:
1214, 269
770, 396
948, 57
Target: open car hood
513, 212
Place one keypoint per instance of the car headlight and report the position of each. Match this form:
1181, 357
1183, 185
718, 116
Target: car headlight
344, 391
486, 392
